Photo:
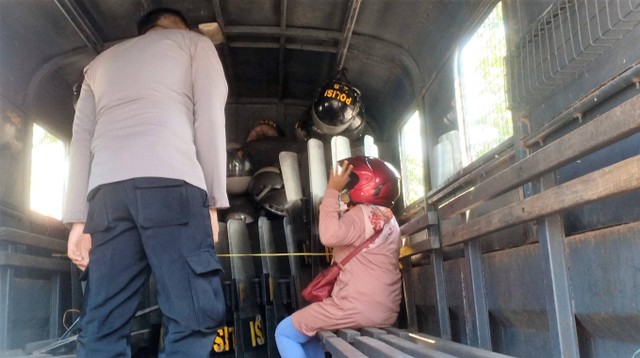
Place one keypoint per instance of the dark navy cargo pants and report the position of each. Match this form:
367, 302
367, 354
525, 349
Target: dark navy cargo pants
156, 224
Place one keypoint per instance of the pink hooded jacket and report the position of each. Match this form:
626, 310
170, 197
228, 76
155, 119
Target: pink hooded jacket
368, 290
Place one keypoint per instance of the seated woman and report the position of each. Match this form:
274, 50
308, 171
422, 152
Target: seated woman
367, 292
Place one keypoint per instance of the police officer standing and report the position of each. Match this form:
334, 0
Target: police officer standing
147, 175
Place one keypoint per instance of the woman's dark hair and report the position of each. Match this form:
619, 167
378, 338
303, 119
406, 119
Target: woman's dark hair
151, 18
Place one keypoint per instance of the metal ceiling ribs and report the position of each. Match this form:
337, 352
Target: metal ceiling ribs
350, 23
281, 55
282, 32
81, 24
392, 55
225, 47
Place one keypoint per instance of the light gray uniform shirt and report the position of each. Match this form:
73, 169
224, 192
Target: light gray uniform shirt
152, 106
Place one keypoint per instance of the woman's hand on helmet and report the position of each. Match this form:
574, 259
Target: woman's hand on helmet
339, 178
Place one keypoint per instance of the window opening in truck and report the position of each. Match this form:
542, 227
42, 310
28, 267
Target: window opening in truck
48, 172
483, 115
411, 160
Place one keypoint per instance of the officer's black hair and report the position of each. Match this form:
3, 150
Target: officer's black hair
150, 19
77, 87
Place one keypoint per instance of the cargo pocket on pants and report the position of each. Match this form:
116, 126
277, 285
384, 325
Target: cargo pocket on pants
206, 290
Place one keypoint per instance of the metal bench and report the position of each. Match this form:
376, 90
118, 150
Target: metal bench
392, 342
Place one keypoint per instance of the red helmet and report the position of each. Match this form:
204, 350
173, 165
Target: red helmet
373, 181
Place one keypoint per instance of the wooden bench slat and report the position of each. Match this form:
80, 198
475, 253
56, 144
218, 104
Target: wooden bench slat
419, 223
30, 239
33, 262
613, 180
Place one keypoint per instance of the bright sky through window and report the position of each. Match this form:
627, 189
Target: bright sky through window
411, 160
486, 118
48, 170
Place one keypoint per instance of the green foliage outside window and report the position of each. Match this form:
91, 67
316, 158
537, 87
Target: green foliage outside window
487, 120
411, 160
414, 179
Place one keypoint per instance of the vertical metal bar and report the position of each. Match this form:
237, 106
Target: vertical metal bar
563, 37
523, 86
274, 308
562, 325
441, 294
521, 131
54, 317
542, 31
409, 294
531, 71
5, 287
435, 256
532, 68
472, 250
553, 50
217, 9
467, 301
294, 263
282, 51
476, 312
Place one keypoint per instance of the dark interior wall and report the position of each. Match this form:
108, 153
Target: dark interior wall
52, 105
603, 290
15, 130
435, 42
23, 53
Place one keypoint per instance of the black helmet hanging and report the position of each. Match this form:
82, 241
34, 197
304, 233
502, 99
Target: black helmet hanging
336, 105
306, 129
267, 189
239, 169
275, 201
264, 181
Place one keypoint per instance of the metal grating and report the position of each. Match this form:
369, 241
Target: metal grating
568, 36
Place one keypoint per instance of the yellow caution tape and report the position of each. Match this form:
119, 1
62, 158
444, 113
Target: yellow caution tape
405, 251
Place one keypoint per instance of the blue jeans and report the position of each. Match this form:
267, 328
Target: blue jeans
294, 344
145, 225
